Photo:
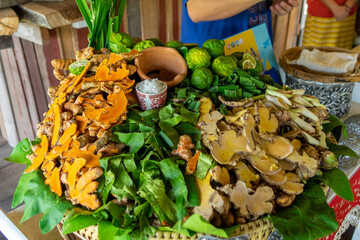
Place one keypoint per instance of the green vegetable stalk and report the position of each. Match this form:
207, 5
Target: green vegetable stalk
103, 19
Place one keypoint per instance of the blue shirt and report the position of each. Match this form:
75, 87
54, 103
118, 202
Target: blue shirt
200, 32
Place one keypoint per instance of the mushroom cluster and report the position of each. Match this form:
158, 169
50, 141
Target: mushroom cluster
266, 150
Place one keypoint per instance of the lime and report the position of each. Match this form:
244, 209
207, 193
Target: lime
202, 78
78, 66
248, 56
257, 70
247, 64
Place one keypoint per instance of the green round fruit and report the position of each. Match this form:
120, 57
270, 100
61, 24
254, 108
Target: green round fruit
143, 45
78, 66
215, 47
248, 56
257, 70
127, 40
202, 78
174, 44
223, 65
197, 58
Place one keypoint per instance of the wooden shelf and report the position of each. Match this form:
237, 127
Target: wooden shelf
50, 14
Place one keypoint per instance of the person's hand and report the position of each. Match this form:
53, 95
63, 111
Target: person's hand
340, 13
283, 7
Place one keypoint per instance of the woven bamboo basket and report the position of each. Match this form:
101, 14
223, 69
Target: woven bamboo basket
257, 230
302, 72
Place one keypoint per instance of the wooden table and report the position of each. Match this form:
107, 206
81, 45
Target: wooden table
28, 228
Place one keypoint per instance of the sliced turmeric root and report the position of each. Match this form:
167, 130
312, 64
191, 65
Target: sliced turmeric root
55, 184
191, 164
69, 132
40, 154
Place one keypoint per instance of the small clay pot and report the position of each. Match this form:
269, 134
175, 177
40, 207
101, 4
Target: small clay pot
163, 63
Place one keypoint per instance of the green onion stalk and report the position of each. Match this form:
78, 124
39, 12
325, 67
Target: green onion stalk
102, 17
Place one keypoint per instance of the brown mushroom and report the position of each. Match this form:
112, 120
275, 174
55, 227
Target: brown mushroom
220, 175
245, 173
264, 164
285, 200
250, 202
268, 122
210, 199
279, 148
228, 144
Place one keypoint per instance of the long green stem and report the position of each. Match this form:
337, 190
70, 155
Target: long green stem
85, 11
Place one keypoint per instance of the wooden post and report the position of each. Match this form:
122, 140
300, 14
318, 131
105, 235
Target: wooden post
9, 121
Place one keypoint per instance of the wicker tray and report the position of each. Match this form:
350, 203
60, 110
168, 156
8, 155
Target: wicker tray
304, 73
257, 230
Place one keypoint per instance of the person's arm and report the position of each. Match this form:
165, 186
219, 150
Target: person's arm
340, 12
210, 10
350, 4
283, 7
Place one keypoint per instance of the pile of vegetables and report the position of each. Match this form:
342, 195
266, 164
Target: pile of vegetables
229, 147
193, 166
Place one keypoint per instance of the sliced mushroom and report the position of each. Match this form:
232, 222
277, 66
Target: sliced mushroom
249, 202
220, 175
279, 148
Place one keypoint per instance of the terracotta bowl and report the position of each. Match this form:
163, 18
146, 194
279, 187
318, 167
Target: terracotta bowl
163, 63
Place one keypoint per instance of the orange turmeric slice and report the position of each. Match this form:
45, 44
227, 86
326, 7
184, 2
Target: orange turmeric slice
69, 132
40, 154
113, 113
92, 160
57, 124
73, 170
103, 73
191, 164
79, 78
55, 184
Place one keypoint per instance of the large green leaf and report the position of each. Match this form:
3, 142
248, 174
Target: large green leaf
333, 123
22, 187
38, 197
189, 116
178, 228
337, 180
172, 173
194, 199
77, 220
106, 230
309, 217
20, 151
341, 150
166, 112
134, 140
197, 223
153, 190
54, 214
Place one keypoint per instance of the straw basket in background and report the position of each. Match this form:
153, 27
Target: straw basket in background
333, 90
257, 230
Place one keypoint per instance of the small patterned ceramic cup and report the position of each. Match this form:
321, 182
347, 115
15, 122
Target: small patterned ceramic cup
149, 101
